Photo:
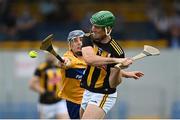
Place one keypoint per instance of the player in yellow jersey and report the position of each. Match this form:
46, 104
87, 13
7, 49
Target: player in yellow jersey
73, 69
100, 79
46, 80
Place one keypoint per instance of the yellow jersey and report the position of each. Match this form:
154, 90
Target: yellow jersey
70, 88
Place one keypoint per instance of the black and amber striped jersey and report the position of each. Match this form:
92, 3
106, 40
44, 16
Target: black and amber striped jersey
96, 79
49, 78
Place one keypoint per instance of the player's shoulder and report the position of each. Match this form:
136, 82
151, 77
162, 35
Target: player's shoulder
68, 53
87, 36
116, 48
114, 41
42, 66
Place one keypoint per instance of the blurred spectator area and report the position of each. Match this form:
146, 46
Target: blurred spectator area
29, 45
61, 16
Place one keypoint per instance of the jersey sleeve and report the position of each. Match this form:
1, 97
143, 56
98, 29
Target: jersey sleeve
72, 59
116, 51
39, 69
87, 42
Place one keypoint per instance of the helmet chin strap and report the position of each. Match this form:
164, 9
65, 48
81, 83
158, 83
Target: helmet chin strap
106, 30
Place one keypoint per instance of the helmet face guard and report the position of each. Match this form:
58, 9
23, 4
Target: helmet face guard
74, 34
103, 19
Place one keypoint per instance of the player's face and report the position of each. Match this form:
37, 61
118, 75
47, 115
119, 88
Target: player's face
76, 44
98, 33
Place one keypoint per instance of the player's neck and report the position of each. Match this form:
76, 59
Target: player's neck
106, 39
78, 54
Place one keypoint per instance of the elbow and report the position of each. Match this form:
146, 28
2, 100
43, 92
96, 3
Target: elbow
119, 81
88, 60
114, 83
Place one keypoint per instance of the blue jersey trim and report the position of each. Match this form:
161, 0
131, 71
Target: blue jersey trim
75, 73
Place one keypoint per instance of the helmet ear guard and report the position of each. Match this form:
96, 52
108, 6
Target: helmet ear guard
108, 32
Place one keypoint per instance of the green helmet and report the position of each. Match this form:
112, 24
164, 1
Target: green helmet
103, 19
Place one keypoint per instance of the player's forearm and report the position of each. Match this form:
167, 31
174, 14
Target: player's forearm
37, 88
91, 58
98, 60
125, 74
40, 90
115, 77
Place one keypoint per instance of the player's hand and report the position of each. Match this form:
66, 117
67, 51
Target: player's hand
64, 64
125, 62
134, 74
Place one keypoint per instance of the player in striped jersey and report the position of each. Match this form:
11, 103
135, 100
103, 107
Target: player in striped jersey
101, 52
73, 70
46, 81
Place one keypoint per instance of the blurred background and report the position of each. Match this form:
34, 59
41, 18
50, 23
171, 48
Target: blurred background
25, 23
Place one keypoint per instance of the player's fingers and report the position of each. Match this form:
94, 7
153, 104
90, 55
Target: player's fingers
140, 74
126, 62
136, 76
129, 61
67, 62
59, 64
